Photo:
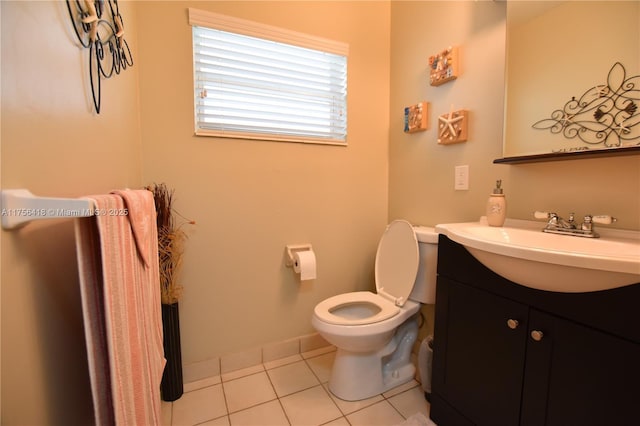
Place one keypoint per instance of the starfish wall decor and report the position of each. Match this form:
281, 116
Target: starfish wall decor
452, 127
606, 114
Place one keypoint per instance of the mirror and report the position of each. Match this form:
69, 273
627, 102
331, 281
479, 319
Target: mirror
559, 50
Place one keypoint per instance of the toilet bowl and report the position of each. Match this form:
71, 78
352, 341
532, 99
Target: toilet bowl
375, 332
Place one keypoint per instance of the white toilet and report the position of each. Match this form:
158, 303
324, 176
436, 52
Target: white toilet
375, 332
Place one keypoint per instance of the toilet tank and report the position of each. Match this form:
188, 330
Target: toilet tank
424, 289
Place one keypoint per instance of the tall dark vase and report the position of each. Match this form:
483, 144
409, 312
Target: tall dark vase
171, 385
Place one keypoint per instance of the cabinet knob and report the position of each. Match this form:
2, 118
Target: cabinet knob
512, 323
537, 335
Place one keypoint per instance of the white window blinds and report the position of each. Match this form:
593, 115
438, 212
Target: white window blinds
260, 82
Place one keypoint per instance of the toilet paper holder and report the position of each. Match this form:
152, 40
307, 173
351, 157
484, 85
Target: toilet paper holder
293, 248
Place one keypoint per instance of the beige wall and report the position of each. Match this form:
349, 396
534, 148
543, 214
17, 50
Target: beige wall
421, 172
54, 145
251, 198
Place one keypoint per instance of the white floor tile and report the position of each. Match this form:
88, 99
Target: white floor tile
202, 383
411, 402
292, 390
418, 419
348, 407
220, 421
199, 406
292, 378
401, 388
338, 422
236, 374
269, 413
166, 408
282, 361
321, 365
310, 407
248, 391
379, 414
319, 351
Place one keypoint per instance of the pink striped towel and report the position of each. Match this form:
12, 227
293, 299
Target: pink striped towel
120, 288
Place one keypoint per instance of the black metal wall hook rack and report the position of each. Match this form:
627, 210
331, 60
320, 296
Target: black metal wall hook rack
100, 28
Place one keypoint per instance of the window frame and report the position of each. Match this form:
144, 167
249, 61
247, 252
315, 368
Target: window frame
215, 21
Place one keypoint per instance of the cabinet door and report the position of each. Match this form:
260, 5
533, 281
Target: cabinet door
576, 375
478, 358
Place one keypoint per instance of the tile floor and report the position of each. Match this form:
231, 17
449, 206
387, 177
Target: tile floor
288, 391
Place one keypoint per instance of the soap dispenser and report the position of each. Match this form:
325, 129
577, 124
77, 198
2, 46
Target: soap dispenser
496, 206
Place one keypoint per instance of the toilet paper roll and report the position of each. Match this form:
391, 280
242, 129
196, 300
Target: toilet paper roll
304, 263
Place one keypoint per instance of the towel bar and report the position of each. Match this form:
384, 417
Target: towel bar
20, 206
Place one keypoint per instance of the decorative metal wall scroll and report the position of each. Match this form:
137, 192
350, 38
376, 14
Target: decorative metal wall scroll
606, 114
99, 27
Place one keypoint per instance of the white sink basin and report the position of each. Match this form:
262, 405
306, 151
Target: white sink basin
522, 253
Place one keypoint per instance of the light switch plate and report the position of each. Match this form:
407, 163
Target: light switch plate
461, 178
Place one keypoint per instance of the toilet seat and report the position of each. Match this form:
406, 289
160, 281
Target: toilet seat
397, 260
366, 299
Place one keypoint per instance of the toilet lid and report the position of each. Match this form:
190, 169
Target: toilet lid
397, 262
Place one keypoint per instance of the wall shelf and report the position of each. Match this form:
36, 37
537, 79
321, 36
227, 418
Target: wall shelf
563, 156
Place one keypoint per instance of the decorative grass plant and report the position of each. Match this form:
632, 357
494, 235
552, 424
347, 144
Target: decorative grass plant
171, 238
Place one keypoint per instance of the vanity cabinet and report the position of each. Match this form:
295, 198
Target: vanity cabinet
509, 355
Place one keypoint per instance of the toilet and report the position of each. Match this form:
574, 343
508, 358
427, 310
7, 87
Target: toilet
375, 332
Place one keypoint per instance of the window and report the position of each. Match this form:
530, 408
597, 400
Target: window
254, 81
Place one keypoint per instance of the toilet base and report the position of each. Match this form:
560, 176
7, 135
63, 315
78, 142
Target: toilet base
361, 375
358, 376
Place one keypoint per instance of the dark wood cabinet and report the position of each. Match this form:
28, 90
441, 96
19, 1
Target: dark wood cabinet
509, 355
576, 375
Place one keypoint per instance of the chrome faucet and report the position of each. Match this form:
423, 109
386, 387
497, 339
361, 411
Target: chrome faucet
558, 225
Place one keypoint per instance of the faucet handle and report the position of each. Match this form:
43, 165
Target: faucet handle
603, 219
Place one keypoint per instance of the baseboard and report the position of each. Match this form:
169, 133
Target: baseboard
225, 364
